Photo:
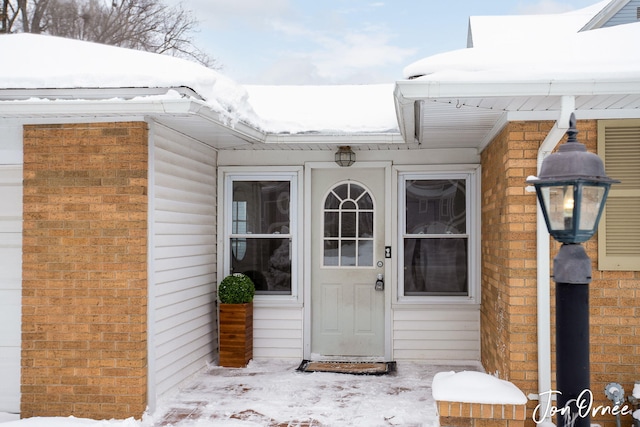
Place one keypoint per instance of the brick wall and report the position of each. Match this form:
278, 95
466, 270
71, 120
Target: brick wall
508, 313
84, 342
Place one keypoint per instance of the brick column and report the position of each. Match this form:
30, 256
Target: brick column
509, 256
84, 301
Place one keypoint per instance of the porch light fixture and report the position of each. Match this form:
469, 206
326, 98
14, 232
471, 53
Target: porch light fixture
572, 189
345, 156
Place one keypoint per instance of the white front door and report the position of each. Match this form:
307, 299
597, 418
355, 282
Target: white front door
347, 255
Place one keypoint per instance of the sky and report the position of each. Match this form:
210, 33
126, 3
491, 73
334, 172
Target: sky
317, 42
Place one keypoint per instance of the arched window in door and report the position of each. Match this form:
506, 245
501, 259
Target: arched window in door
348, 226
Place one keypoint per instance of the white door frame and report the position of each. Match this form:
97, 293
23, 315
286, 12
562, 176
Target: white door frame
389, 279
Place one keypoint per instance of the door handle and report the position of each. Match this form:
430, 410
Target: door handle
380, 282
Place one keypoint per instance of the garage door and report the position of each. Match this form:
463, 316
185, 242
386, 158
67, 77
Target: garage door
10, 286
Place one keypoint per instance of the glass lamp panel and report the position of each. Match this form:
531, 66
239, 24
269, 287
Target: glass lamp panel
559, 204
590, 206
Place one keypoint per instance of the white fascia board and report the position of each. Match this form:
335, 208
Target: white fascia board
205, 112
62, 111
420, 89
80, 108
405, 114
337, 139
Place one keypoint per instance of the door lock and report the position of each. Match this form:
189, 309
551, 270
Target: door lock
380, 282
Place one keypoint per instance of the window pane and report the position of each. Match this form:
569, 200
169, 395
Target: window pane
262, 205
332, 202
348, 253
348, 226
349, 205
267, 262
365, 253
331, 255
365, 202
435, 266
436, 207
342, 191
331, 224
365, 226
356, 191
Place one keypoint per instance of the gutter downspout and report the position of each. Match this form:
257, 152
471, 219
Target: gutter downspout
554, 136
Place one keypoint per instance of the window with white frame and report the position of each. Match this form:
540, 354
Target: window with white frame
348, 226
259, 230
437, 237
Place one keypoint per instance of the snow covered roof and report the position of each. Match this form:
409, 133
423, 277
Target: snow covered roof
349, 108
520, 68
537, 47
46, 62
44, 66
529, 29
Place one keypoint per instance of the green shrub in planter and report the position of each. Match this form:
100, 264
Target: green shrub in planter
236, 289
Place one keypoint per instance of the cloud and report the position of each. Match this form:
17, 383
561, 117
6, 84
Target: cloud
542, 7
359, 50
337, 57
217, 13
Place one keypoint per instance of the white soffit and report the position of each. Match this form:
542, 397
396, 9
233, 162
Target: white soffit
470, 115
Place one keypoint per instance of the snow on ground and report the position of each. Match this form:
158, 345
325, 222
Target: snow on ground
273, 392
475, 387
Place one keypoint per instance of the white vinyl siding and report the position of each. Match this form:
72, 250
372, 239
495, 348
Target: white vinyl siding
619, 230
183, 334
277, 332
435, 333
277, 318
628, 14
10, 286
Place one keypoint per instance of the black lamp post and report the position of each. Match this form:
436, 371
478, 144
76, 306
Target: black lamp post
572, 189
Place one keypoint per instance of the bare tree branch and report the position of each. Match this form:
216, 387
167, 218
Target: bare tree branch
148, 25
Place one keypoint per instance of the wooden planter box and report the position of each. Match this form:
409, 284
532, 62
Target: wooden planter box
236, 335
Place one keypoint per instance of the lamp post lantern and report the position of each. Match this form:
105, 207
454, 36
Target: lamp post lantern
572, 189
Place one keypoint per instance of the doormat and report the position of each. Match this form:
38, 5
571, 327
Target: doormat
353, 368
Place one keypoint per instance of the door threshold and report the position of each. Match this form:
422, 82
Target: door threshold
325, 358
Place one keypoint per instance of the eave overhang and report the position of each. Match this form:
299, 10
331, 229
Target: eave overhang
469, 114
187, 114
